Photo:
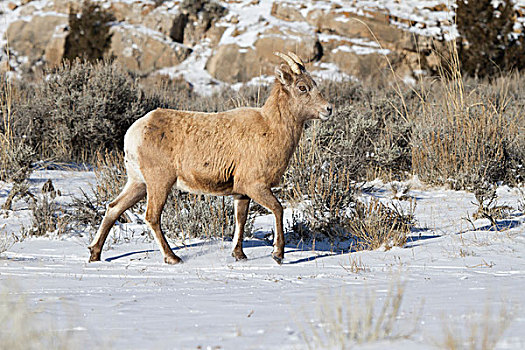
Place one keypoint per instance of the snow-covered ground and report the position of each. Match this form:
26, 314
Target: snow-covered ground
451, 273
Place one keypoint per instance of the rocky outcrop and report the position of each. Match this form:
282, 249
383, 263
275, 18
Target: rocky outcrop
144, 14
287, 12
236, 38
143, 51
232, 63
31, 38
229, 64
56, 47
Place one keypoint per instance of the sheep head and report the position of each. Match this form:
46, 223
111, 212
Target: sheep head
305, 99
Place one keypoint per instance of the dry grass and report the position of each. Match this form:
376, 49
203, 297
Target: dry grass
521, 200
6, 240
465, 137
355, 265
342, 321
378, 225
481, 332
187, 216
48, 216
110, 174
332, 210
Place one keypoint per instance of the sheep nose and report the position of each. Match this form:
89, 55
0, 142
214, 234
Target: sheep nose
329, 109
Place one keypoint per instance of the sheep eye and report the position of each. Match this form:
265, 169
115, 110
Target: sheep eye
302, 88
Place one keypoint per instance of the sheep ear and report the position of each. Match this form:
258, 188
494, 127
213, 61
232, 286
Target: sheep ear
283, 74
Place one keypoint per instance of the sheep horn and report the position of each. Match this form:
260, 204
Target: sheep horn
293, 65
296, 59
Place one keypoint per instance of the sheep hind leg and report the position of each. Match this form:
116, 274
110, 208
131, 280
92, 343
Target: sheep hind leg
157, 195
265, 197
132, 193
241, 205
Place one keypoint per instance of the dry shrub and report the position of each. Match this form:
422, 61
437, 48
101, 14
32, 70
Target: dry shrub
6, 240
80, 108
343, 321
16, 159
377, 225
326, 194
369, 134
488, 207
47, 216
326, 207
331, 211
16, 156
110, 174
189, 216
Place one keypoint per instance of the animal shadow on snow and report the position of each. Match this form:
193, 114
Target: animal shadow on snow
248, 244
501, 225
320, 250
144, 251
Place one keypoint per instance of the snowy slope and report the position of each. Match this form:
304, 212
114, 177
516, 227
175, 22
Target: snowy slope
133, 301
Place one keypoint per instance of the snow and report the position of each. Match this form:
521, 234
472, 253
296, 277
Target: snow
360, 50
131, 300
193, 70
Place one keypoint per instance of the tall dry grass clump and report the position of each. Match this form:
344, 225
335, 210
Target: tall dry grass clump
481, 331
343, 321
15, 155
467, 136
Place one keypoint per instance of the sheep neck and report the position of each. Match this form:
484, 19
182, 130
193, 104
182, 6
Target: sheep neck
281, 119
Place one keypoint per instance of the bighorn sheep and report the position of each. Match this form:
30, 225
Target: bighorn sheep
242, 152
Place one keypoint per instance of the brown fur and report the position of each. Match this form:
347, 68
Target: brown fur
243, 152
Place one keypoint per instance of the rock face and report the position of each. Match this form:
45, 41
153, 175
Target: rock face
232, 63
32, 38
360, 46
143, 52
145, 14
55, 48
286, 12
235, 39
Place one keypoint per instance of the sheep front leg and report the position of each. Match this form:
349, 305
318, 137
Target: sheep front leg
241, 205
264, 196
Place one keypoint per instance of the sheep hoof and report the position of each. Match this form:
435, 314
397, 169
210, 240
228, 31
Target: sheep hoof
172, 260
278, 259
93, 255
239, 256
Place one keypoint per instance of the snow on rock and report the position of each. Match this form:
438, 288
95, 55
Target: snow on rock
352, 36
355, 36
